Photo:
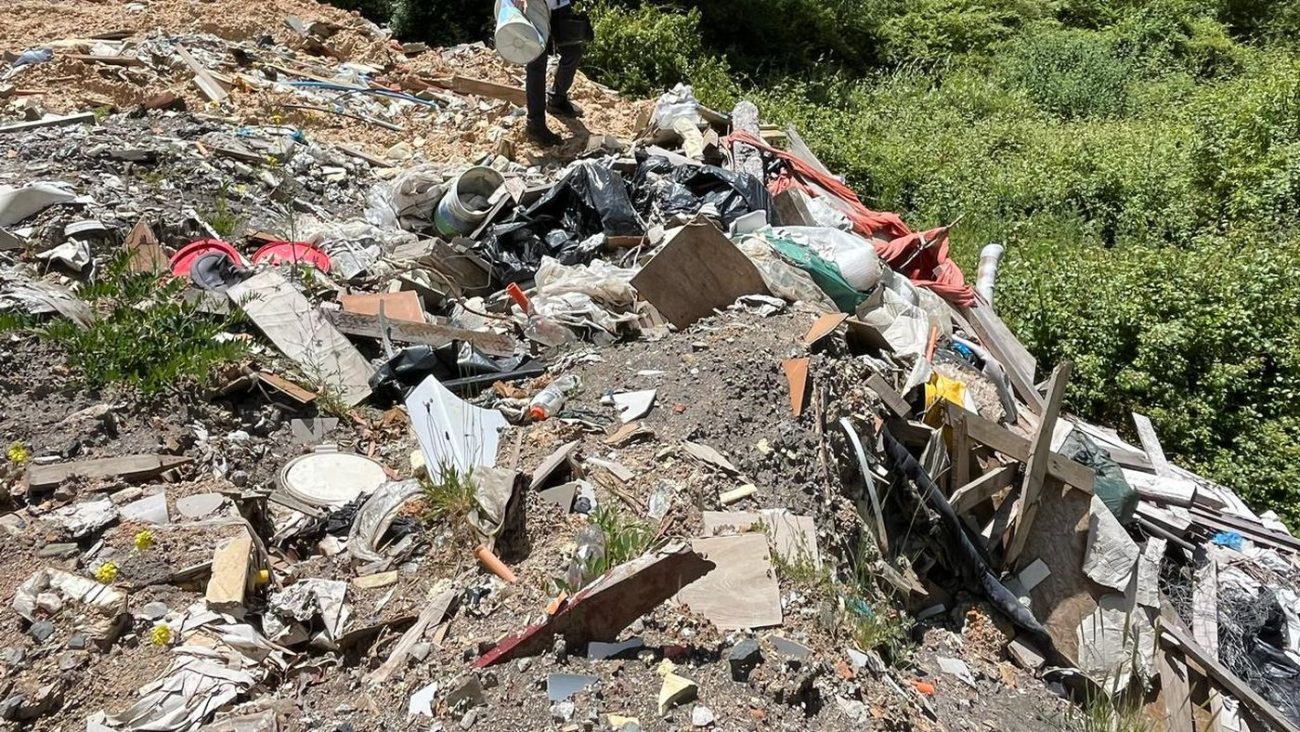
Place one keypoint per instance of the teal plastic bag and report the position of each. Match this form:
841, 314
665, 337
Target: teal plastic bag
1111, 486
824, 273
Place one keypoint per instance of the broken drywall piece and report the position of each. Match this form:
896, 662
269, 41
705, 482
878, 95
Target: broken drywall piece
1111, 556
149, 510
452, 432
551, 464
956, 668
634, 405
709, 456
1035, 573
101, 613
231, 572
304, 335
18, 203
793, 538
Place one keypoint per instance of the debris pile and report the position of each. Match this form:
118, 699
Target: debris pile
669, 430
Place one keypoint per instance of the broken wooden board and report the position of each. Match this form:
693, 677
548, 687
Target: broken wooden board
403, 306
982, 488
888, 395
1171, 635
478, 87
203, 78
89, 58
796, 375
697, 270
1151, 445
298, 330
741, 591
1175, 686
146, 255
429, 334
1016, 447
130, 468
1008, 350
600, 611
793, 538
432, 613
87, 118
1037, 466
232, 573
286, 387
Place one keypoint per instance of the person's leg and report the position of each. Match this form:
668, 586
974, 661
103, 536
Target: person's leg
569, 57
535, 91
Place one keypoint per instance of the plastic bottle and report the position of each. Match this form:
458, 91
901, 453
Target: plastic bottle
550, 401
539, 328
587, 558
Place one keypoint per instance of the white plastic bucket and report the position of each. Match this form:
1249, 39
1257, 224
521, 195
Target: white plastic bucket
464, 205
521, 37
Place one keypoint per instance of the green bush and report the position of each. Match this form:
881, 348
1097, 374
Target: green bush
1070, 73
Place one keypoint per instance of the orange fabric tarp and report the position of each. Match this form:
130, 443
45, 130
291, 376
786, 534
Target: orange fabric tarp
922, 256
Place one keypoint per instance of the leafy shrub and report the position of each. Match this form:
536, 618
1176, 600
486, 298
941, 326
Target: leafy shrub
646, 50
1070, 73
934, 32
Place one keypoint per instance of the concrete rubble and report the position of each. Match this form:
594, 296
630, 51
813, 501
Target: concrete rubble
674, 433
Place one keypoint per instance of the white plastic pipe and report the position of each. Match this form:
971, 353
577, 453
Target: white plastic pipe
990, 258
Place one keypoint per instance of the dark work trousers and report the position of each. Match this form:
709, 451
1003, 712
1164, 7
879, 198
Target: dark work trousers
570, 55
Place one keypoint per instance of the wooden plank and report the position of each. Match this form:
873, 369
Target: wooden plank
1171, 635
1205, 624
1036, 469
432, 613
982, 488
404, 306
696, 271
106, 60
231, 571
71, 119
961, 455
888, 395
286, 387
429, 334
129, 468
478, 87
302, 334
1151, 445
741, 591
1014, 446
1006, 348
360, 155
1255, 532
1175, 690
203, 78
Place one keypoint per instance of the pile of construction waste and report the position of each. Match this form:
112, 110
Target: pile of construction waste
667, 431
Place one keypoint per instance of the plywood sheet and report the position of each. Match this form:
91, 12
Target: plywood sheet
741, 591
697, 270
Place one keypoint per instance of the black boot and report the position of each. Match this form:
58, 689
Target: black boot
539, 133
562, 106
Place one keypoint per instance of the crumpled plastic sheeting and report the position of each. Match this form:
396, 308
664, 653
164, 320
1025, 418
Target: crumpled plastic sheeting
585, 295
493, 489
408, 202
1115, 641
903, 325
206, 676
855, 257
356, 246
104, 607
375, 517
306, 599
678, 103
784, 280
18, 290
18, 203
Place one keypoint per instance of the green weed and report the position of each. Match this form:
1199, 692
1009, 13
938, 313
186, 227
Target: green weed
626, 537
449, 497
145, 335
222, 220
